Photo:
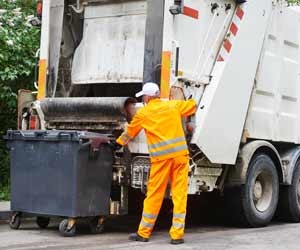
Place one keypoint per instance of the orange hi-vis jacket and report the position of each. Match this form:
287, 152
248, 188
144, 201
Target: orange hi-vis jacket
161, 121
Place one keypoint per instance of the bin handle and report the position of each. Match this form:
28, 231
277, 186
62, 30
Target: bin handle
19, 132
35, 133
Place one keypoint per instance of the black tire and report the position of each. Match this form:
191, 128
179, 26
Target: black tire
64, 231
289, 199
42, 222
254, 203
260, 213
15, 221
95, 227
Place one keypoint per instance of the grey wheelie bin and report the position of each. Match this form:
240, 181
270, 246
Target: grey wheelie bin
60, 174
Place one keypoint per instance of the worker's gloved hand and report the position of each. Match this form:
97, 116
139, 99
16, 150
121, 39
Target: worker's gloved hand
114, 145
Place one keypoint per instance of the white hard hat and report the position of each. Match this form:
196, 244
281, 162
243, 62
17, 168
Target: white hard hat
150, 89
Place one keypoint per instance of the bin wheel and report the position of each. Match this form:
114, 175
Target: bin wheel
66, 230
42, 222
15, 221
96, 225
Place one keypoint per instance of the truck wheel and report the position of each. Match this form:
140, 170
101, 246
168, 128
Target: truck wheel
42, 222
15, 221
96, 225
65, 231
289, 201
260, 192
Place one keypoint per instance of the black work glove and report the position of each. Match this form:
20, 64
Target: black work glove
114, 145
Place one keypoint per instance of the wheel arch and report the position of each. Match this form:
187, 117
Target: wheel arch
289, 160
237, 174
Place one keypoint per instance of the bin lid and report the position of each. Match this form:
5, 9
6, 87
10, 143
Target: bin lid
53, 135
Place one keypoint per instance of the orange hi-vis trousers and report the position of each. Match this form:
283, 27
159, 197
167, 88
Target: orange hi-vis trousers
175, 170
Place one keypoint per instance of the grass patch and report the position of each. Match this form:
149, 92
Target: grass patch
4, 193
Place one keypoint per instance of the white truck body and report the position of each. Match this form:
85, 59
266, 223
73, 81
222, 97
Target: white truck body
274, 108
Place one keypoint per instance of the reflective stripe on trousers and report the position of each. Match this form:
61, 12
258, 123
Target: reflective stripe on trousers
148, 220
175, 170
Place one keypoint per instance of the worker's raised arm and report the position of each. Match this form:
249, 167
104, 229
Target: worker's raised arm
186, 108
134, 127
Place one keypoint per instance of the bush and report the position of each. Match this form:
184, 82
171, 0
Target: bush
294, 2
18, 44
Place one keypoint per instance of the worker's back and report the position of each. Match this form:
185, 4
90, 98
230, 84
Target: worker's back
162, 123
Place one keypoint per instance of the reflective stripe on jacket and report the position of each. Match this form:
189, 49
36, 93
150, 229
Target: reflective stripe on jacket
162, 123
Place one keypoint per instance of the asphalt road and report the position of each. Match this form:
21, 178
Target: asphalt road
205, 237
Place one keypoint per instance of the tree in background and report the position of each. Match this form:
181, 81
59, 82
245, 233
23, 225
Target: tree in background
19, 42
294, 2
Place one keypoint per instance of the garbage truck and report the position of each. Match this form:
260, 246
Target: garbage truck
238, 59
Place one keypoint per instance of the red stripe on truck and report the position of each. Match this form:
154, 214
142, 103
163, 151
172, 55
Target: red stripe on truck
239, 12
234, 29
227, 45
190, 12
220, 59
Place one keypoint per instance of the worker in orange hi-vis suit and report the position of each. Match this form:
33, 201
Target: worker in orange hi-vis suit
169, 156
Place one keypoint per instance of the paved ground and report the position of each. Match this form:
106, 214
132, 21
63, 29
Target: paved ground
4, 205
274, 237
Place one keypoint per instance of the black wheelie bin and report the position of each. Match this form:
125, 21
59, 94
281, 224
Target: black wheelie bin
60, 174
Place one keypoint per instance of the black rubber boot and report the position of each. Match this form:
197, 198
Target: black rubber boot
136, 237
177, 242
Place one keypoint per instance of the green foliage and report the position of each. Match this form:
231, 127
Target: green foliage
294, 2
18, 44
18, 41
5, 193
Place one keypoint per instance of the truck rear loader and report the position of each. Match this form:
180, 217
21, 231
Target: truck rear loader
238, 59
